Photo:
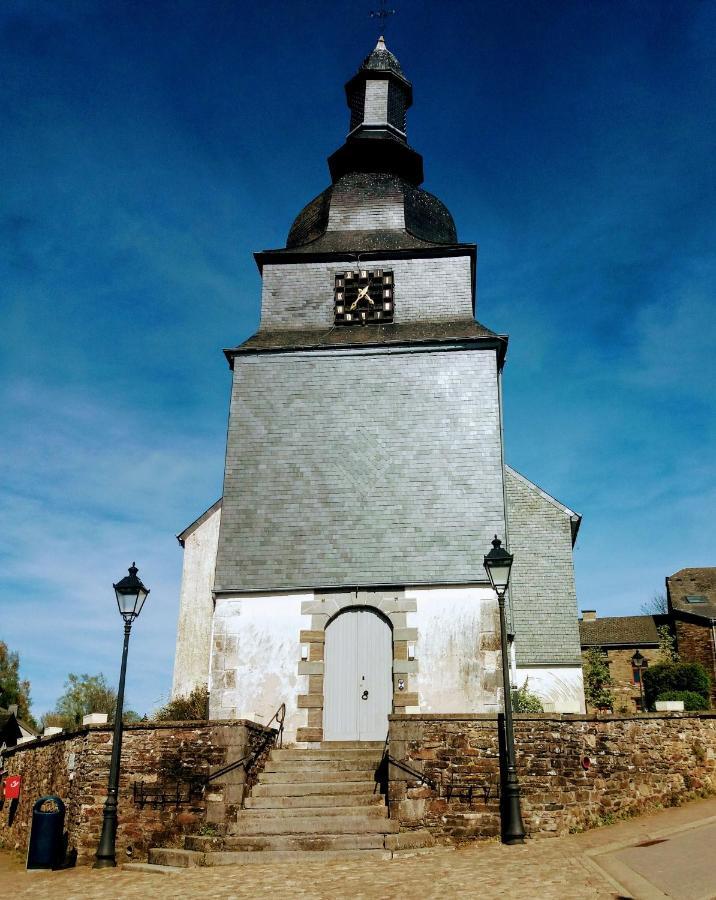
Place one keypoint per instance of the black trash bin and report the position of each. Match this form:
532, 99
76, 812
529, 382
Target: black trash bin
47, 834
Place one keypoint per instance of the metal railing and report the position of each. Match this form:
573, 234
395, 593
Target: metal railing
274, 737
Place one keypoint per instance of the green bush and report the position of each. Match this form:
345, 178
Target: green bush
691, 699
669, 676
524, 701
193, 707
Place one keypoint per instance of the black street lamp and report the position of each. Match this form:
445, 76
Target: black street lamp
639, 663
131, 594
498, 564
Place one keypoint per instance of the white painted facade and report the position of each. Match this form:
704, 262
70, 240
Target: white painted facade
196, 603
255, 658
248, 647
457, 650
560, 688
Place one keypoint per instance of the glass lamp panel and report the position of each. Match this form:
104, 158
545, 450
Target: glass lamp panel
499, 575
141, 597
126, 601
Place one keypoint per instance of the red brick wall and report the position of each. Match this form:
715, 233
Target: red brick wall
634, 762
75, 766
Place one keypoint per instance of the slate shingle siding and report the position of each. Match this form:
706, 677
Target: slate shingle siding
543, 596
300, 295
360, 468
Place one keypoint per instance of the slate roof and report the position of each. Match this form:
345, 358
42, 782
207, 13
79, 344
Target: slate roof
699, 582
7, 720
619, 630
427, 219
373, 335
382, 59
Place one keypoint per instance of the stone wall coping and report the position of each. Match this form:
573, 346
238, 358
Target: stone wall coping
556, 717
83, 730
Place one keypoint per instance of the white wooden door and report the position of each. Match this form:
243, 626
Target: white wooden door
358, 677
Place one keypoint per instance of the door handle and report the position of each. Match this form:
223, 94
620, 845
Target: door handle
364, 695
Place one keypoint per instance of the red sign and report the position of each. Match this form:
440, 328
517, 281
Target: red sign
12, 787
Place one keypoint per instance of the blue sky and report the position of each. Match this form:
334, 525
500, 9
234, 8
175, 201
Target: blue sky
150, 148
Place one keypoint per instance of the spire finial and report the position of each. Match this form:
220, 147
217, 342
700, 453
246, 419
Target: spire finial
383, 14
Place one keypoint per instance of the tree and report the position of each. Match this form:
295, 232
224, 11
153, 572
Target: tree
656, 606
667, 644
85, 694
598, 681
192, 707
13, 691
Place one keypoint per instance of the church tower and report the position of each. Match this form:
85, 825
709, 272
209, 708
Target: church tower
365, 476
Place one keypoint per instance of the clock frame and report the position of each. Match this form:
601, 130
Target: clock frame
363, 297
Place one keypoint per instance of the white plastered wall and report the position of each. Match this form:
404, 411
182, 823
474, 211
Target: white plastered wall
196, 606
255, 654
457, 650
560, 688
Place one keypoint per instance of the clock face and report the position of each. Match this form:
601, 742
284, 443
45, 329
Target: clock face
363, 297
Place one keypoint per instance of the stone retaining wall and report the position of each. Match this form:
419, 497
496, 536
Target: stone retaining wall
75, 766
575, 771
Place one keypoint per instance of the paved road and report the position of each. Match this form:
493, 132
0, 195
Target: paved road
574, 867
679, 864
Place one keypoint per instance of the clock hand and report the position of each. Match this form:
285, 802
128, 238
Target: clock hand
363, 292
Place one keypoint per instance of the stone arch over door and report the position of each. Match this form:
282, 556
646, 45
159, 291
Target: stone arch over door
394, 607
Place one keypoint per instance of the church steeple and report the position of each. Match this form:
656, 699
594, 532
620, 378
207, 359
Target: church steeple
378, 96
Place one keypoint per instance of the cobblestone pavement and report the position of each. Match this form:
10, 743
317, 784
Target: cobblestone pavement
491, 870
540, 870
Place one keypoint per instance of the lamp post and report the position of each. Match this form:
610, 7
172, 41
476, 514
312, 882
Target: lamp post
131, 594
639, 663
498, 563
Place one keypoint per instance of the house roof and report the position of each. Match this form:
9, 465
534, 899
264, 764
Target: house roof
693, 591
574, 517
5, 719
191, 528
619, 630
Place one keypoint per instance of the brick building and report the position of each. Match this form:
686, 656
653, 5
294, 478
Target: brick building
691, 595
341, 572
619, 638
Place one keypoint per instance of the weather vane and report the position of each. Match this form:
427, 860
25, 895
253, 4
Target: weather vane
383, 14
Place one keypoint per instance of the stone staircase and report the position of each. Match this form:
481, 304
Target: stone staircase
324, 801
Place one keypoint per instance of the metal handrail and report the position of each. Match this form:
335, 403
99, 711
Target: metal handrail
248, 760
463, 789
278, 717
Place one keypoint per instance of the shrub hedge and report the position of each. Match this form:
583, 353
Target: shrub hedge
666, 677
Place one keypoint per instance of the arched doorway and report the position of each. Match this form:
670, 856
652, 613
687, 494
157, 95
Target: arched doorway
358, 679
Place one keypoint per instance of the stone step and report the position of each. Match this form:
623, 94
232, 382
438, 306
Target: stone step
364, 763
171, 856
373, 810
295, 789
313, 824
316, 800
324, 776
352, 745
364, 753
260, 843
268, 857
420, 839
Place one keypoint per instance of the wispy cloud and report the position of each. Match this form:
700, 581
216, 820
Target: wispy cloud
87, 489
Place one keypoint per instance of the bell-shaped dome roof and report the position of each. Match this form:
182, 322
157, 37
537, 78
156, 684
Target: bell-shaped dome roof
369, 211
382, 59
